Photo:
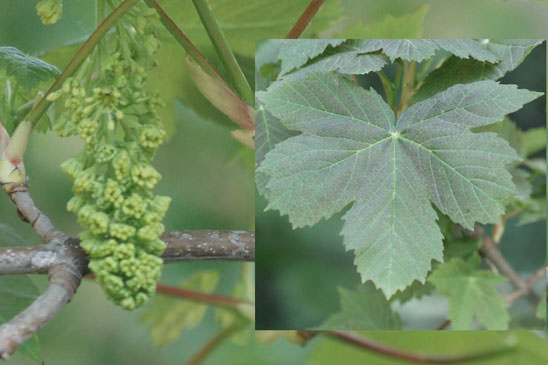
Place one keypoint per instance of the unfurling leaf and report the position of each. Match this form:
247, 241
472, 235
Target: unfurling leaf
220, 95
353, 150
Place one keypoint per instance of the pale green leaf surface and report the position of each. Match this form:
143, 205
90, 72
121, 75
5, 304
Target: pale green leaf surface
363, 309
294, 56
349, 58
352, 150
534, 140
28, 71
268, 132
408, 25
457, 70
473, 295
167, 317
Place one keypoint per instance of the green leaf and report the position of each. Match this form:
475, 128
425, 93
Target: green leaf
404, 26
415, 290
294, 56
457, 70
167, 317
353, 150
242, 24
473, 295
534, 140
16, 294
460, 248
352, 57
363, 309
28, 71
268, 132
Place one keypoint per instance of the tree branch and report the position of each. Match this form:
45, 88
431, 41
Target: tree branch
305, 19
27, 260
209, 245
383, 349
490, 251
64, 279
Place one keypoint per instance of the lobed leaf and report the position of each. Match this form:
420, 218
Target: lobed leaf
473, 295
28, 71
352, 150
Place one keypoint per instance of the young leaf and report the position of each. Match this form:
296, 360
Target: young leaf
472, 294
363, 309
352, 57
293, 57
167, 317
28, 71
456, 70
353, 150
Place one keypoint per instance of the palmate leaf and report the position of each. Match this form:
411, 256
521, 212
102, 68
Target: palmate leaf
353, 150
473, 295
455, 70
28, 71
293, 57
363, 309
167, 317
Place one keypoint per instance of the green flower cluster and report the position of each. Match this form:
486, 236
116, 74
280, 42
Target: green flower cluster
112, 112
49, 11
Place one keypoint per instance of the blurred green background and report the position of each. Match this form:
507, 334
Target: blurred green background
208, 175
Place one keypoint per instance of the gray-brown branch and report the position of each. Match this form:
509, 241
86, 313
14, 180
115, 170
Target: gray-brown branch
62, 258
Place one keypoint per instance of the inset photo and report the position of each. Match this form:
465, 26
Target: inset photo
401, 184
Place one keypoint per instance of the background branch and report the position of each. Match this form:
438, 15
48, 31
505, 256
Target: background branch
305, 19
380, 348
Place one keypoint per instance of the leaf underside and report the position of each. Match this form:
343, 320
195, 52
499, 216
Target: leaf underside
28, 71
352, 150
473, 295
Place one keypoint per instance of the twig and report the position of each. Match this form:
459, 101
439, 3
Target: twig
40, 108
212, 344
491, 252
27, 260
209, 245
305, 19
529, 284
27, 210
64, 279
380, 348
444, 325
184, 41
222, 47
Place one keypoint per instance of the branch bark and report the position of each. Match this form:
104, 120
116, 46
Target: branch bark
305, 19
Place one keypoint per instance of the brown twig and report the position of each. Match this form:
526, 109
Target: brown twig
529, 284
305, 19
490, 252
444, 325
383, 349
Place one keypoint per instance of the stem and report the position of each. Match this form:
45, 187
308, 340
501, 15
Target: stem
34, 116
408, 87
212, 344
387, 85
184, 41
305, 19
196, 296
220, 43
380, 348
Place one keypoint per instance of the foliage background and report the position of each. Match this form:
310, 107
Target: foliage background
207, 175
